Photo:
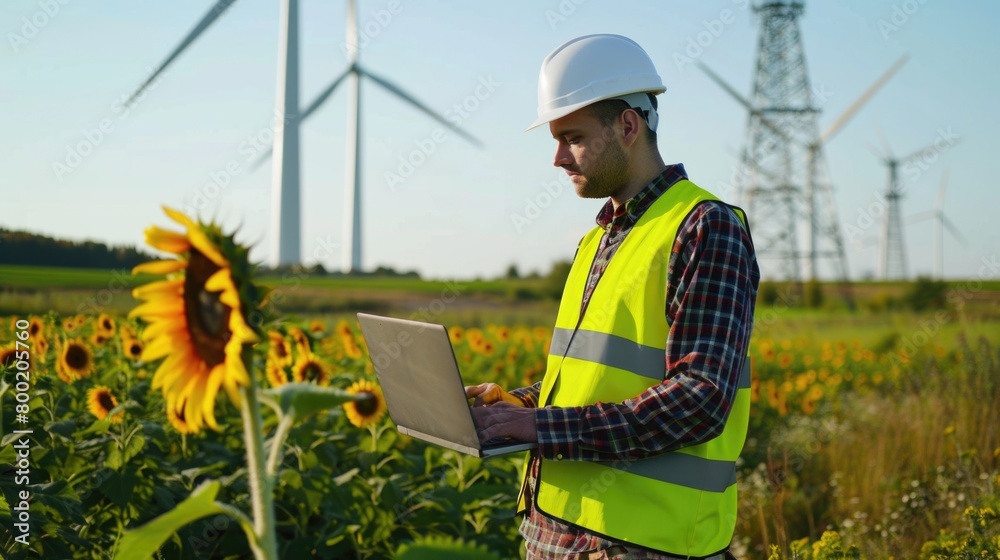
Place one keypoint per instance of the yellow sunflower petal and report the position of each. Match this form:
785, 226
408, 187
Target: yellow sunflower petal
159, 267
161, 288
166, 240
204, 245
211, 391
179, 217
220, 281
171, 371
166, 326
157, 349
159, 308
193, 394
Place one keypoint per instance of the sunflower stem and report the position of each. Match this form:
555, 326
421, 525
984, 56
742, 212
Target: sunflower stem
261, 487
278, 444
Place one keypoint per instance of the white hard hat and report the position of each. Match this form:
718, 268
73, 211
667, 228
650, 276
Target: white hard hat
593, 68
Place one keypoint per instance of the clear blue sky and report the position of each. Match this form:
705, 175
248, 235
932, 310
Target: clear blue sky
452, 217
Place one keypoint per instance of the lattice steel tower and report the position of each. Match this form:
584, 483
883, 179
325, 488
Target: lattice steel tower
784, 184
785, 170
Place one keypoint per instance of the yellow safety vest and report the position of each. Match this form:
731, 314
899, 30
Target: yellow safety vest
681, 502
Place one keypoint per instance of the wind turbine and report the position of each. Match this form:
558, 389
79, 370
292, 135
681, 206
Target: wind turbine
892, 254
940, 222
286, 205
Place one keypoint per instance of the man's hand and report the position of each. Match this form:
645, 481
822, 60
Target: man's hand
505, 420
489, 393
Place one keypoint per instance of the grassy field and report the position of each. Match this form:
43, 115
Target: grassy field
876, 429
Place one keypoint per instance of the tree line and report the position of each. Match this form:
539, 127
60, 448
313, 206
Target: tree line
25, 248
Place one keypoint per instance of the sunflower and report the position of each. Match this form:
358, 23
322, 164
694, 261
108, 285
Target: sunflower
302, 343
310, 369
316, 326
76, 361
276, 374
8, 356
176, 417
36, 326
41, 347
132, 348
197, 319
98, 338
369, 411
100, 402
106, 324
279, 350
352, 349
456, 335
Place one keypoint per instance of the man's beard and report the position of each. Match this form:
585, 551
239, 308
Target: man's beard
608, 176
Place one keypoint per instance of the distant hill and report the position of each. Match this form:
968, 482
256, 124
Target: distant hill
25, 248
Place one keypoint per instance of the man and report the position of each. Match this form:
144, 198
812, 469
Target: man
644, 405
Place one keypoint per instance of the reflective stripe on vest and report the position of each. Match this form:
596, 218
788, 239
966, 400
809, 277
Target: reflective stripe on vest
618, 352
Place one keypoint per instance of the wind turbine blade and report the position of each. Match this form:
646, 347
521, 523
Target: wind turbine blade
322, 97
857, 105
742, 100
876, 152
423, 108
922, 151
953, 230
207, 20
940, 198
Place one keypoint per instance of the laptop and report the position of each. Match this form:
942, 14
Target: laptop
424, 392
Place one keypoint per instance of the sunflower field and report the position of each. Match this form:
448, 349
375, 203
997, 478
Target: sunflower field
196, 427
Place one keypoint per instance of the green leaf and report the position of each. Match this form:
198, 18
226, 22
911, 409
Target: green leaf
300, 400
142, 542
62, 428
441, 548
119, 487
135, 445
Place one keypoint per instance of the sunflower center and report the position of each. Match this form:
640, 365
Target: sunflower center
7, 358
281, 350
368, 406
135, 349
312, 372
106, 324
104, 399
76, 357
207, 317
